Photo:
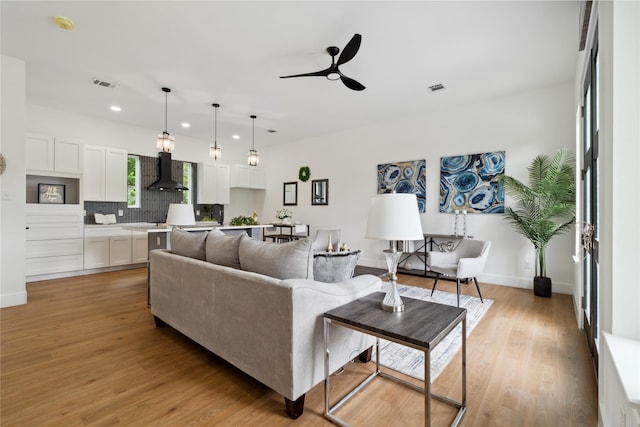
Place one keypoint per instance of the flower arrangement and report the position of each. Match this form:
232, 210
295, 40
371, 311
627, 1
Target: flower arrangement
284, 213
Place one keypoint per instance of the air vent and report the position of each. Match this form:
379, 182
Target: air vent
437, 87
102, 83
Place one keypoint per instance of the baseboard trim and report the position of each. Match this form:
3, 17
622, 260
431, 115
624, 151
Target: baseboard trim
82, 272
12, 299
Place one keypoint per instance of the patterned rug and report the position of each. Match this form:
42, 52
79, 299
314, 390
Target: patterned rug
410, 361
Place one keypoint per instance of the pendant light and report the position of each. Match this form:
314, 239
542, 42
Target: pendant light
215, 150
253, 158
165, 141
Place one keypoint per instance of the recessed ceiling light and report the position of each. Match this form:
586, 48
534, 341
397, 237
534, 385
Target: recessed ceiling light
185, 125
115, 108
235, 136
63, 23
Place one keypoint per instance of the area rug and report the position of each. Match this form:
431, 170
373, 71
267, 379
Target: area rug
410, 361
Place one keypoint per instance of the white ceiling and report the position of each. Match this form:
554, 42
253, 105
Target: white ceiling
233, 52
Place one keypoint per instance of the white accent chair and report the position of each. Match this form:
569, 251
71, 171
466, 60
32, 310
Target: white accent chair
466, 261
321, 241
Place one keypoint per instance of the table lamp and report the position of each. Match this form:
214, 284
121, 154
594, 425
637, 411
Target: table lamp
394, 217
180, 214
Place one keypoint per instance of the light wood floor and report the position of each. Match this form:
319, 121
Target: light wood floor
85, 351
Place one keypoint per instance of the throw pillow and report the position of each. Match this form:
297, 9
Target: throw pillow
334, 267
292, 260
223, 249
187, 243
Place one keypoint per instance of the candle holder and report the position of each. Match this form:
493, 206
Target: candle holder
464, 223
455, 223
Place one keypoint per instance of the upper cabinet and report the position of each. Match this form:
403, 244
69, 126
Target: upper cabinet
105, 174
213, 183
245, 176
44, 153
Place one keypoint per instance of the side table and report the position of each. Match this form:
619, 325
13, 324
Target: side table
422, 325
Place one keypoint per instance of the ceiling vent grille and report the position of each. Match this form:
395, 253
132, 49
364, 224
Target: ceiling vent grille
102, 83
437, 87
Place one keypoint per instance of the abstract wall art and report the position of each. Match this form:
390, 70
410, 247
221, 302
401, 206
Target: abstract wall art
404, 177
471, 183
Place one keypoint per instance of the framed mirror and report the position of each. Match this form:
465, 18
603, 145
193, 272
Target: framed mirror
320, 192
290, 194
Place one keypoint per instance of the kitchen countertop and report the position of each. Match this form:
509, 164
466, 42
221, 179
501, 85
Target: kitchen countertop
153, 227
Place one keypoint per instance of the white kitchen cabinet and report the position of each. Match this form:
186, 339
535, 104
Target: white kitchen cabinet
213, 183
120, 250
44, 153
105, 174
96, 252
54, 239
139, 247
245, 176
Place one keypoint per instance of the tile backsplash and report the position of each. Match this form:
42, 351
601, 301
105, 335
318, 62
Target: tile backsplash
153, 204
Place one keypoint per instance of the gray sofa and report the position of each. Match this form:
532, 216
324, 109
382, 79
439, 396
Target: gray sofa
256, 305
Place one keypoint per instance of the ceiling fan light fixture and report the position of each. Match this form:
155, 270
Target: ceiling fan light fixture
215, 150
333, 76
253, 158
165, 142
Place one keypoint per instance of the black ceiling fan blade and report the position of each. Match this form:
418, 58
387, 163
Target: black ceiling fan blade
350, 49
351, 84
322, 73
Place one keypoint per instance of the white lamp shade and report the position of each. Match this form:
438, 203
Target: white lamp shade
394, 216
180, 214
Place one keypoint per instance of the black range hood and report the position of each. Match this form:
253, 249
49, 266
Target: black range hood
165, 182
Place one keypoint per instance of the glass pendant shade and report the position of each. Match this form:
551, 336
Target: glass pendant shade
165, 142
253, 158
215, 151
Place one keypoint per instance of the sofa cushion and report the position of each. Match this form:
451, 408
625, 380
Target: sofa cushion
292, 260
189, 244
223, 249
334, 267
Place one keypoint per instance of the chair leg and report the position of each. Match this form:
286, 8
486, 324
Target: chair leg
435, 282
458, 290
475, 279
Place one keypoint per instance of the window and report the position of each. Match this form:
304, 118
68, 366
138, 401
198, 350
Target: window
133, 182
187, 181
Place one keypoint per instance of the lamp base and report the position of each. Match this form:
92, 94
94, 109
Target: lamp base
393, 308
392, 301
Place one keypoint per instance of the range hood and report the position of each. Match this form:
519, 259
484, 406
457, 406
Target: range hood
165, 182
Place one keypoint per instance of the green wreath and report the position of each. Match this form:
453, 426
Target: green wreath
304, 174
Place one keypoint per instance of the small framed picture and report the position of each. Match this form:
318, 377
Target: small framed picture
51, 193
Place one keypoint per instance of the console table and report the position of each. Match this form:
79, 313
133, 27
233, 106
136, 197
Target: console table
287, 232
422, 325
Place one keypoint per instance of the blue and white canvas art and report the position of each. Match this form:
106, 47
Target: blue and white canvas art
472, 183
404, 177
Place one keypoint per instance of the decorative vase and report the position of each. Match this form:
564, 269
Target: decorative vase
286, 220
329, 245
542, 286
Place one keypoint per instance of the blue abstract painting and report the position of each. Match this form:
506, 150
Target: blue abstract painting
471, 183
404, 177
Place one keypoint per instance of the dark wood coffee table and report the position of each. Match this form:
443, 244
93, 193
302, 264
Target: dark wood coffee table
422, 325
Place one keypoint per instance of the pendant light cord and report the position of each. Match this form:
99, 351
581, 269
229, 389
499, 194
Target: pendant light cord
165, 112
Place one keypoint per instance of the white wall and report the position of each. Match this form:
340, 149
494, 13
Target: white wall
12, 184
524, 125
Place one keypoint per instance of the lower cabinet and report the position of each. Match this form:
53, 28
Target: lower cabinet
112, 246
120, 250
54, 239
96, 252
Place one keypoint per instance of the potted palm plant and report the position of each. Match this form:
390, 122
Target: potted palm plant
544, 208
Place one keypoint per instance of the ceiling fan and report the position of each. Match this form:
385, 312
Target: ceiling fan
333, 73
